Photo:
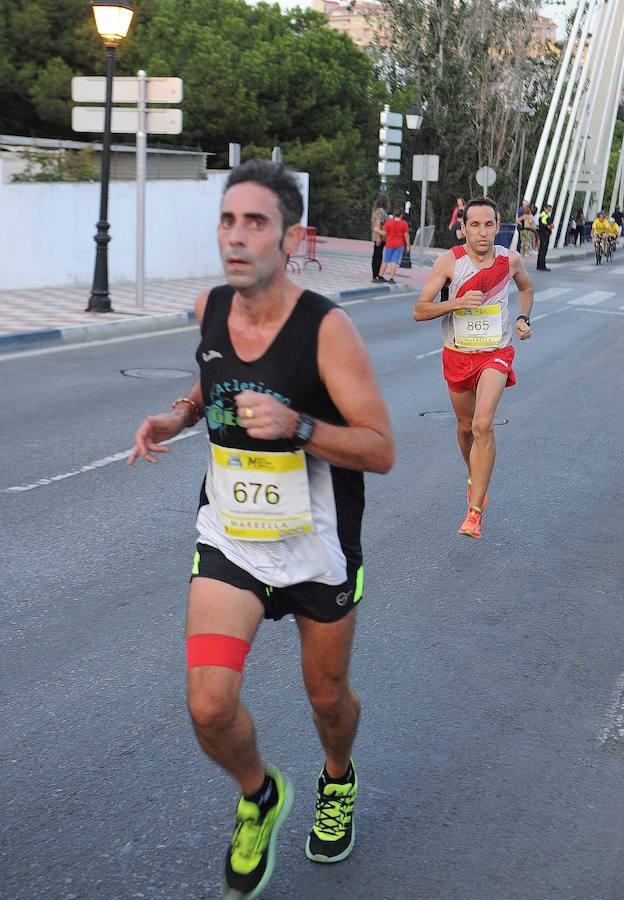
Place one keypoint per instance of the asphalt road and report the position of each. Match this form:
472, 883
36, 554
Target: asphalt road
491, 748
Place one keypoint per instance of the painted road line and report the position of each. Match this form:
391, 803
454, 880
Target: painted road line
550, 294
613, 731
89, 467
592, 298
548, 314
603, 312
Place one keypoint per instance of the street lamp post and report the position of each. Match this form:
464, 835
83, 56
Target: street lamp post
112, 20
413, 119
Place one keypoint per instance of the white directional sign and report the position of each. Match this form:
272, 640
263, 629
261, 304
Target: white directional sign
486, 176
389, 151
425, 168
390, 135
126, 90
390, 119
388, 168
126, 120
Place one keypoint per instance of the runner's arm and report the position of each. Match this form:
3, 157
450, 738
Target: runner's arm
442, 272
150, 435
525, 293
365, 443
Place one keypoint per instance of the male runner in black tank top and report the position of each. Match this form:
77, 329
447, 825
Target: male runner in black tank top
279, 527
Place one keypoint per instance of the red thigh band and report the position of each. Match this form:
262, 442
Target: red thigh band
216, 650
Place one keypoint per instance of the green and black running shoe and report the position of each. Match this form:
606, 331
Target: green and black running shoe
251, 855
333, 833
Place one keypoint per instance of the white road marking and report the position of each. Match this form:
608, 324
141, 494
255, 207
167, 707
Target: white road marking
614, 727
592, 298
546, 315
550, 294
604, 312
96, 464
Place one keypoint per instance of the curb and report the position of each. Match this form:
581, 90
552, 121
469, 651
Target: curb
142, 324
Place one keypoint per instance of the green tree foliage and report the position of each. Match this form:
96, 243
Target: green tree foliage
616, 146
42, 44
252, 75
61, 165
468, 60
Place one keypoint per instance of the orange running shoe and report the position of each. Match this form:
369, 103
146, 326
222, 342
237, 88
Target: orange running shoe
471, 526
469, 495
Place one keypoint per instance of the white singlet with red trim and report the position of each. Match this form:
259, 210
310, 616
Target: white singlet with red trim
493, 281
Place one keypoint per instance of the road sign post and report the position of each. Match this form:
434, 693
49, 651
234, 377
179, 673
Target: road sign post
141, 175
424, 169
486, 176
390, 137
140, 121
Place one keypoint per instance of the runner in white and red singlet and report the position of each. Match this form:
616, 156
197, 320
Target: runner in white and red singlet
477, 356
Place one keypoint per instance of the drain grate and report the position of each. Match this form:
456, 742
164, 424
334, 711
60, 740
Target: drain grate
449, 416
157, 373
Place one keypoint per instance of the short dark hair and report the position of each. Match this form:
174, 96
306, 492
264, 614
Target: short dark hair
276, 178
479, 201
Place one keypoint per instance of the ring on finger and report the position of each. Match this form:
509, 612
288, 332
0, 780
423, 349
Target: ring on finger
248, 412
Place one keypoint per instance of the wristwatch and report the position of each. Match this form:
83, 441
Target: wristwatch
304, 429
526, 319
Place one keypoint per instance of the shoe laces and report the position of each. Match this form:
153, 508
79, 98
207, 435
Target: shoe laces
250, 834
334, 806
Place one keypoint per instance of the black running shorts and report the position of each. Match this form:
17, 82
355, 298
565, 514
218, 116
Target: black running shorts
320, 602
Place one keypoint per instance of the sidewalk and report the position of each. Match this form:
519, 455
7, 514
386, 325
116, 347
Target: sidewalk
52, 316
47, 316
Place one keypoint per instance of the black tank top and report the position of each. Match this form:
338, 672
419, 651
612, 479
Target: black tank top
288, 370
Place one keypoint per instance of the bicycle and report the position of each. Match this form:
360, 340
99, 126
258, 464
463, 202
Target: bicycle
611, 248
598, 248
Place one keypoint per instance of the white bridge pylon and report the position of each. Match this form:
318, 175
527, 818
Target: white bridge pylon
575, 145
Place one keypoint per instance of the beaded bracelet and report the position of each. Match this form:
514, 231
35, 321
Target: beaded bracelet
195, 407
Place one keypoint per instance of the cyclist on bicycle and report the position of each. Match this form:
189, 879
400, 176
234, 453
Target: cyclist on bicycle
599, 231
614, 233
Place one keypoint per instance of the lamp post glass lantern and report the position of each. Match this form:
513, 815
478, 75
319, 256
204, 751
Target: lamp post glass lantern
112, 20
414, 117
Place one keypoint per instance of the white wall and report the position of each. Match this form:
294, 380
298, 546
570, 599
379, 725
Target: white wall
47, 230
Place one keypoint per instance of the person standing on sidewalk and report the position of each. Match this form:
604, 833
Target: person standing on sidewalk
397, 240
379, 217
524, 221
544, 231
294, 417
459, 207
579, 218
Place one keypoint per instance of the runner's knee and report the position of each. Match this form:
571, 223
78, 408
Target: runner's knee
465, 427
212, 703
482, 426
327, 700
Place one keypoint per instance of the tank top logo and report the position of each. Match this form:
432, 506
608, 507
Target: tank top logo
221, 412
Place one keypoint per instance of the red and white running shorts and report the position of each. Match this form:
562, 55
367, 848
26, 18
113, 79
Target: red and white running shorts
463, 370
